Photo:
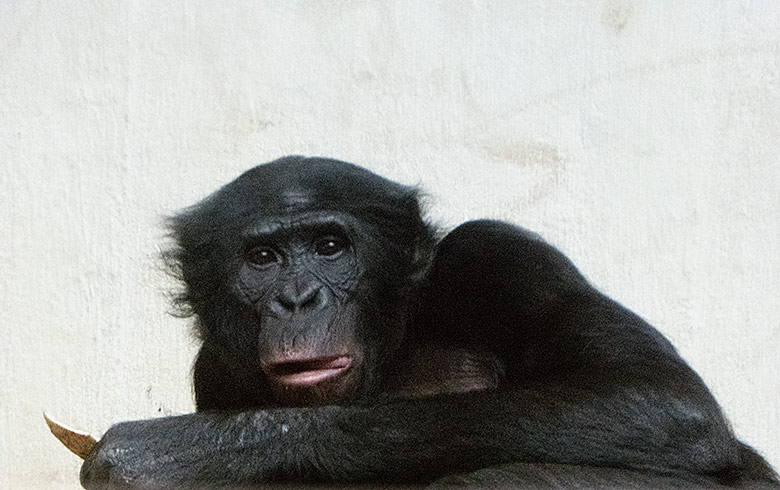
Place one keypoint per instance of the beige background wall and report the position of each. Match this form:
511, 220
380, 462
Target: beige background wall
642, 137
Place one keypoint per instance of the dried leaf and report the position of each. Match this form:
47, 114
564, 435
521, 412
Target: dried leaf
78, 442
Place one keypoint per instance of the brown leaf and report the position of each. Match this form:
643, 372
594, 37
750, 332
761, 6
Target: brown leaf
78, 442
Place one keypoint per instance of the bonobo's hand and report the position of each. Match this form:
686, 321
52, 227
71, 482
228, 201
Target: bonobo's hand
163, 453
130, 455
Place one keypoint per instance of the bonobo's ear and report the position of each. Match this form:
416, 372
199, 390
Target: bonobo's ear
196, 255
426, 238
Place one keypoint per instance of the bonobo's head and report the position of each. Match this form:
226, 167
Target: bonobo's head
299, 273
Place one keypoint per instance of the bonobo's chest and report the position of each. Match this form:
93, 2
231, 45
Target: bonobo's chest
435, 369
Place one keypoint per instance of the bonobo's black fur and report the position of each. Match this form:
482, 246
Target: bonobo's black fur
342, 342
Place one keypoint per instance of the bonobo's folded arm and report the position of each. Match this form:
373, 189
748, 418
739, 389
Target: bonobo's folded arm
410, 440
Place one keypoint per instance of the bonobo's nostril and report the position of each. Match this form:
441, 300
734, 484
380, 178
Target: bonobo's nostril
295, 296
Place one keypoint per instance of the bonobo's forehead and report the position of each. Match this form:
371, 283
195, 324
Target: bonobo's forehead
288, 226
298, 184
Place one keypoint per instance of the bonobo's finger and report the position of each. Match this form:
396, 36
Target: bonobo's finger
78, 442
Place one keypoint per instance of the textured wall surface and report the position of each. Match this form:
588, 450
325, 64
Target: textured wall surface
641, 137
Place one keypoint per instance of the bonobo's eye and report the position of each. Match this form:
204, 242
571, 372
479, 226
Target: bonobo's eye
261, 256
330, 246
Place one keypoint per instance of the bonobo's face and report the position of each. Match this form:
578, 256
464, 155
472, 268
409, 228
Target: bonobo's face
300, 274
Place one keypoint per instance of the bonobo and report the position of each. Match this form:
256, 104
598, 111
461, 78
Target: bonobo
344, 340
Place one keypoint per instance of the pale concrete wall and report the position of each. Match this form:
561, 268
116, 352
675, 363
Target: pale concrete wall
642, 137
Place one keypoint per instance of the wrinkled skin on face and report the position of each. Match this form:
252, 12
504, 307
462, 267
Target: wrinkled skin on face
300, 275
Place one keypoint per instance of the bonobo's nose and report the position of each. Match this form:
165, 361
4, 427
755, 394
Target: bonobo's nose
297, 296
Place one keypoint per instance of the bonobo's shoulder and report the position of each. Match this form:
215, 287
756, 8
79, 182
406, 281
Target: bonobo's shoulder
507, 243
489, 229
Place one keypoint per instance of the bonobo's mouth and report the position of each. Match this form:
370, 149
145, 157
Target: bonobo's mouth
308, 372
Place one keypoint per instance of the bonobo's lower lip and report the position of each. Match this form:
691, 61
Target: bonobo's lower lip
308, 372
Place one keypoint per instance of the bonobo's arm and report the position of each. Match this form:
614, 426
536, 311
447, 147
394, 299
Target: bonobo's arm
412, 440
